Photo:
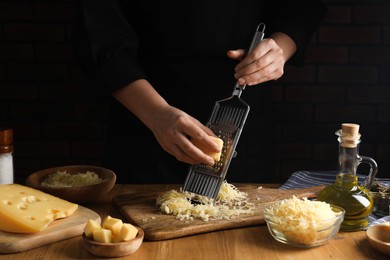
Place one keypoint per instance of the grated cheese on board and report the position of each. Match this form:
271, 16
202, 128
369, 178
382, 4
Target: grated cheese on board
301, 220
230, 203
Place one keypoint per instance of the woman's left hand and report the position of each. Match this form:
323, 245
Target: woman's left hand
266, 62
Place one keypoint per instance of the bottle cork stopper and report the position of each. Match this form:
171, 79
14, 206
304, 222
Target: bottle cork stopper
350, 129
350, 136
6, 140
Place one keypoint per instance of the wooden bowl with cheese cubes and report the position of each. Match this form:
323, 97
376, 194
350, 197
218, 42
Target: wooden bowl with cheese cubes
75, 183
112, 238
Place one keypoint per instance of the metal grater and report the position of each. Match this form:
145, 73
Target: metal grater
226, 121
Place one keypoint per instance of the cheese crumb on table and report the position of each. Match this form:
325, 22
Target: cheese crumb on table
230, 203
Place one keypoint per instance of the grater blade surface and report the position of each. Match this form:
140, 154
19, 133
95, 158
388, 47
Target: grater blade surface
226, 121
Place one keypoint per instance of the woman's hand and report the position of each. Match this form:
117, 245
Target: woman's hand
173, 130
266, 62
172, 127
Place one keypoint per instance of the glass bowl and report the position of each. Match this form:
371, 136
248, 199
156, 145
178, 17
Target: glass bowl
309, 234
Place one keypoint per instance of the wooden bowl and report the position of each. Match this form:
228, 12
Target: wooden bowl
379, 237
77, 195
114, 249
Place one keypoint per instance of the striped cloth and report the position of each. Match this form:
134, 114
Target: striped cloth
305, 179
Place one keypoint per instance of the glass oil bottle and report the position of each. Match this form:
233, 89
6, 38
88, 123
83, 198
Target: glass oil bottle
346, 191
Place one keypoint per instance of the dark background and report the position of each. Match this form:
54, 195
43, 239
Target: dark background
57, 120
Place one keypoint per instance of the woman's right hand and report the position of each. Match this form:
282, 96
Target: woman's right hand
172, 127
173, 130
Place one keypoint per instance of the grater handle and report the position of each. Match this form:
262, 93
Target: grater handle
257, 38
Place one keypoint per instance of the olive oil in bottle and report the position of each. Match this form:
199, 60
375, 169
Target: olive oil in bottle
346, 191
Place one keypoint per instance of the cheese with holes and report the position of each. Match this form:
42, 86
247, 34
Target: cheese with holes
215, 155
27, 210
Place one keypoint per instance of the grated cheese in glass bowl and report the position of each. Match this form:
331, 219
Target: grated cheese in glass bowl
229, 204
303, 222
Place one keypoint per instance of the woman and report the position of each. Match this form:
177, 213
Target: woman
165, 64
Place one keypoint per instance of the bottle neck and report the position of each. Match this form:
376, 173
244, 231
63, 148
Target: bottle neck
348, 153
348, 159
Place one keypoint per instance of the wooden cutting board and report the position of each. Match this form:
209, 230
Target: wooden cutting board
58, 230
141, 210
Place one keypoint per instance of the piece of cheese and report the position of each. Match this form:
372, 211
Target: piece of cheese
215, 155
27, 210
102, 235
128, 232
91, 226
112, 230
113, 224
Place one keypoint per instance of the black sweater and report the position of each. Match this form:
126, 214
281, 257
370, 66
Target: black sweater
181, 49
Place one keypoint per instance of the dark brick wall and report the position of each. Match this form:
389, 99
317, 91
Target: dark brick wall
57, 121
345, 79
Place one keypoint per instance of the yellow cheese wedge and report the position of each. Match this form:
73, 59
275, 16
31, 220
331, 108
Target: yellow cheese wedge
91, 226
214, 155
27, 210
128, 232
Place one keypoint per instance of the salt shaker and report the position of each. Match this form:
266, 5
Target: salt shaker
6, 159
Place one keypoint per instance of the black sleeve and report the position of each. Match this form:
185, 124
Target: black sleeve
297, 18
105, 44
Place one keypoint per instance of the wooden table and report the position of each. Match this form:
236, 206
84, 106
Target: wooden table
243, 243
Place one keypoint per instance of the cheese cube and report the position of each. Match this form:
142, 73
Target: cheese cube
91, 226
113, 224
215, 155
27, 210
128, 232
102, 235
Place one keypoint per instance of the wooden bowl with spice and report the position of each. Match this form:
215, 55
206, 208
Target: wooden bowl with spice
75, 183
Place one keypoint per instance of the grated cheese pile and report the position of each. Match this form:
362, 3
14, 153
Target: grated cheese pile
230, 203
301, 220
64, 179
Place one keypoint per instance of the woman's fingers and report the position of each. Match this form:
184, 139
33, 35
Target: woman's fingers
266, 62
